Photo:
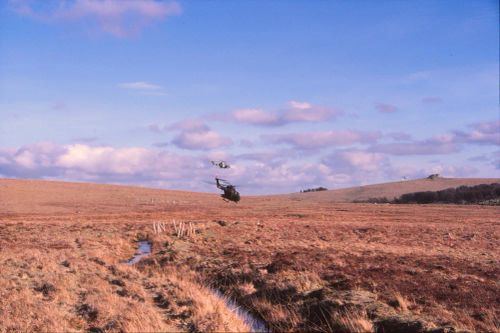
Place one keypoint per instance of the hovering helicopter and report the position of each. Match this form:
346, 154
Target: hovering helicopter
230, 192
221, 164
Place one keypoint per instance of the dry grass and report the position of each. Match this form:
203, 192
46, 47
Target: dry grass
49, 277
296, 264
179, 296
391, 190
401, 302
54, 281
357, 322
301, 281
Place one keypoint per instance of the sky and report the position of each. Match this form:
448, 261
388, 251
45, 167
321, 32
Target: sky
292, 94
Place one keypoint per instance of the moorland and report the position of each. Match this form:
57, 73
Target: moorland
297, 262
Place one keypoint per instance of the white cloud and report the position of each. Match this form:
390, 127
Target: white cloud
296, 112
358, 163
300, 105
120, 18
254, 117
265, 172
305, 112
196, 135
362, 160
323, 139
134, 165
140, 85
201, 140
126, 161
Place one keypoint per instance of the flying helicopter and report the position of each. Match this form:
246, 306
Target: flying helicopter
230, 192
221, 164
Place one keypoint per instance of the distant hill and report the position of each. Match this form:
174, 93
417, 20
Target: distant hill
50, 197
19, 196
390, 190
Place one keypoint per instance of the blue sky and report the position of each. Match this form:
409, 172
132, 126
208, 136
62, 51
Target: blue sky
293, 94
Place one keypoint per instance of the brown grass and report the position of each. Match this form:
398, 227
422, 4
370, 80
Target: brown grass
401, 302
295, 263
354, 323
391, 190
71, 277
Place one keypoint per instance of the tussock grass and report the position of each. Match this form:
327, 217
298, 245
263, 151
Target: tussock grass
353, 322
302, 281
401, 302
181, 296
324, 248
53, 281
280, 317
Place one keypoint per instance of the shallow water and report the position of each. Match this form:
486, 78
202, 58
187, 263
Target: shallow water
143, 250
255, 324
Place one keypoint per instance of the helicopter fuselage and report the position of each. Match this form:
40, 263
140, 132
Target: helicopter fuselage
230, 192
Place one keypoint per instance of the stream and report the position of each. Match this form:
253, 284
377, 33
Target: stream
143, 250
256, 325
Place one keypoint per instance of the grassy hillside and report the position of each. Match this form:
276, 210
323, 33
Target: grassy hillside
295, 264
49, 197
391, 190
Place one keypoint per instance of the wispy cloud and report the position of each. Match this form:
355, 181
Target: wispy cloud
355, 160
418, 76
431, 100
295, 112
492, 159
255, 117
439, 145
201, 140
144, 88
120, 18
386, 108
196, 135
85, 139
161, 144
59, 106
399, 136
484, 133
140, 85
323, 139
190, 125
